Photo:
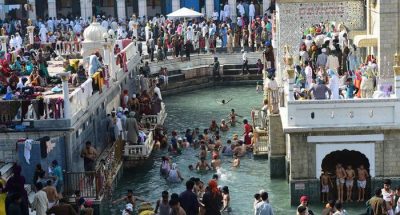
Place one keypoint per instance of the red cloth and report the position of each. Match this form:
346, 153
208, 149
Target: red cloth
124, 66
247, 130
125, 43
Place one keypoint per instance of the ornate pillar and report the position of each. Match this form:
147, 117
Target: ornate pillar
290, 74
67, 105
176, 5
142, 5
121, 12
396, 69
86, 9
232, 9
32, 10
52, 9
30, 30
209, 8
3, 39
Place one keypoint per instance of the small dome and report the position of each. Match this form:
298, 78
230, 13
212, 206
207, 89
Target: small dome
94, 32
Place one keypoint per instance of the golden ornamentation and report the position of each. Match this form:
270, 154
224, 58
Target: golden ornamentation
29, 22
290, 73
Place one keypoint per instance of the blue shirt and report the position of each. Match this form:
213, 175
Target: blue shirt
263, 208
58, 173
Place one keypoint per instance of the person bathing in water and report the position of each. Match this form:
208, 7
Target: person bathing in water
174, 176
202, 165
223, 101
165, 165
223, 127
232, 117
129, 199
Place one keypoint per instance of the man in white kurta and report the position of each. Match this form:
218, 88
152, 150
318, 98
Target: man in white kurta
40, 202
43, 33
252, 11
333, 84
227, 12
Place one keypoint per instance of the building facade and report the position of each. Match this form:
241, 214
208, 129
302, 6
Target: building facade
312, 136
115, 8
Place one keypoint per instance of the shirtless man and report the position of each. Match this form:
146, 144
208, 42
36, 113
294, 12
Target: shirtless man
215, 162
51, 193
236, 161
129, 199
340, 179
232, 117
202, 165
203, 152
350, 175
325, 182
361, 182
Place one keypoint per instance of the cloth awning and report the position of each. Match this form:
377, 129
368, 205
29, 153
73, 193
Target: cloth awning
366, 40
185, 13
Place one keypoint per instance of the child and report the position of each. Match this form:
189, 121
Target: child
325, 182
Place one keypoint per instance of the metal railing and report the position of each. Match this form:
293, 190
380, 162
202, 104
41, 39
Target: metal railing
95, 184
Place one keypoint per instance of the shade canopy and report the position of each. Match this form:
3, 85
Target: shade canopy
185, 13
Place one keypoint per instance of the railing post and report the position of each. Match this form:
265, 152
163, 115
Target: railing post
67, 106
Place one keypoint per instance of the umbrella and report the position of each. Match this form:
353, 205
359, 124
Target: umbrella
185, 12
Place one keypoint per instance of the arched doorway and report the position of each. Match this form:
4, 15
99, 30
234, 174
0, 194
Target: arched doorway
346, 158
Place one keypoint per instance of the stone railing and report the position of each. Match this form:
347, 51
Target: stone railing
134, 152
311, 114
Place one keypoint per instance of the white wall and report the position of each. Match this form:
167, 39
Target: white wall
341, 113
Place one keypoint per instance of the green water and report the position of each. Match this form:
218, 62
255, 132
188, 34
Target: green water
197, 109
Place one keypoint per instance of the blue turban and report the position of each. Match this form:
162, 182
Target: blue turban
267, 43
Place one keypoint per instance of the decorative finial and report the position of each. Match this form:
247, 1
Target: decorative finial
3, 31
396, 59
94, 19
29, 22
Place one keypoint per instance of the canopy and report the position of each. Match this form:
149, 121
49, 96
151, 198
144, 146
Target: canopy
365, 40
184, 12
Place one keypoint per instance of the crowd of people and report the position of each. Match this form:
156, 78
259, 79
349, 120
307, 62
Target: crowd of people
330, 68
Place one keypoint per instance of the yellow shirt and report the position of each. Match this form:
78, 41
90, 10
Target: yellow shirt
3, 203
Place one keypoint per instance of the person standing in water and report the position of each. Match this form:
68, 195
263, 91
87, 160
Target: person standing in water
174, 175
226, 209
232, 117
162, 206
202, 165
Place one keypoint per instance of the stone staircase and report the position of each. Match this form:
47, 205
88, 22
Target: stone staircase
231, 72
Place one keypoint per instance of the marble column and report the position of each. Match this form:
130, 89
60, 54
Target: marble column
32, 11
30, 30
232, 9
52, 9
3, 40
176, 5
2, 10
67, 104
209, 8
142, 8
86, 9
121, 12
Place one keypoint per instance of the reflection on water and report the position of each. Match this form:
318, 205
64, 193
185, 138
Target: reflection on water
197, 109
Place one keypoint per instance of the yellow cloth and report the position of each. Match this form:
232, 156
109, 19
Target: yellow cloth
98, 80
3, 203
74, 63
147, 212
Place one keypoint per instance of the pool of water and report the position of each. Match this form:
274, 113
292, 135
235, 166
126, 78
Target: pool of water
197, 109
